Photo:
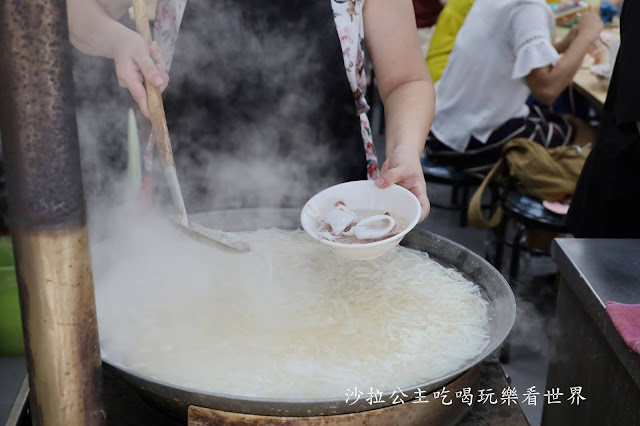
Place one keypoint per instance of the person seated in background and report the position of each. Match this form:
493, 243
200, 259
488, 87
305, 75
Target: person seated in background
606, 201
427, 12
502, 54
447, 26
446, 29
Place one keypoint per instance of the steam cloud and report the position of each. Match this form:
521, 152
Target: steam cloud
244, 154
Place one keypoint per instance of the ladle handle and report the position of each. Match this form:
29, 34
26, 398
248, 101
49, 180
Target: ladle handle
154, 97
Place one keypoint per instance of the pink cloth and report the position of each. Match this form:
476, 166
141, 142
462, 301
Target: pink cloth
558, 207
626, 318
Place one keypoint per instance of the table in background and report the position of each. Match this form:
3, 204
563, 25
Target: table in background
585, 81
590, 87
587, 349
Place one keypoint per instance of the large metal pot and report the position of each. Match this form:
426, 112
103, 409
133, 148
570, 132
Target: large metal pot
176, 400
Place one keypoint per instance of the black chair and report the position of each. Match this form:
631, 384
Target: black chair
529, 215
460, 182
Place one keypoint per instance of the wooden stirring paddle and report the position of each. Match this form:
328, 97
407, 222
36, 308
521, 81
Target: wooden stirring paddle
163, 143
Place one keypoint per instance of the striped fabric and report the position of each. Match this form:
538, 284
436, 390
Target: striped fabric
547, 129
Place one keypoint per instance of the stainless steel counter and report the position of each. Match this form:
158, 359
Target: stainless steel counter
587, 349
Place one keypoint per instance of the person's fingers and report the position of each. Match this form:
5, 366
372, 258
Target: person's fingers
149, 69
156, 55
139, 93
420, 191
379, 181
390, 177
425, 206
158, 58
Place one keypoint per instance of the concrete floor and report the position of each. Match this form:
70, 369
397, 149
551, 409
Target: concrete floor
530, 342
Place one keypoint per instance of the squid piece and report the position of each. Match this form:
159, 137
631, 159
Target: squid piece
343, 222
374, 227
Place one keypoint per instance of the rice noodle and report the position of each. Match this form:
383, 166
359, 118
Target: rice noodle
292, 320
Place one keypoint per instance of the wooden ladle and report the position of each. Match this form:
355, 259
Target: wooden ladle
163, 143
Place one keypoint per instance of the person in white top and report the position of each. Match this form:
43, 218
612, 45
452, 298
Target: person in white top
502, 54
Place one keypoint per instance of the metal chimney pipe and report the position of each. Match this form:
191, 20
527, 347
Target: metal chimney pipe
47, 214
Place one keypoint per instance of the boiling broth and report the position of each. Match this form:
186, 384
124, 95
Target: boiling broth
211, 321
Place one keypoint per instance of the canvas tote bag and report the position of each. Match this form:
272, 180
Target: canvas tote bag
544, 173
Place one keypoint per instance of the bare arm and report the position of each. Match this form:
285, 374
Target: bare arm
94, 32
547, 83
405, 88
562, 45
116, 8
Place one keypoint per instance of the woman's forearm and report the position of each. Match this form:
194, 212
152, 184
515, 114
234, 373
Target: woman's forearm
547, 83
409, 110
92, 30
563, 44
563, 72
115, 8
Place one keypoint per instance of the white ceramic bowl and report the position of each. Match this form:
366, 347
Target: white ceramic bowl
358, 195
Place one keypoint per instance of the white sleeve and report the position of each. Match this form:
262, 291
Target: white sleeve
531, 28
